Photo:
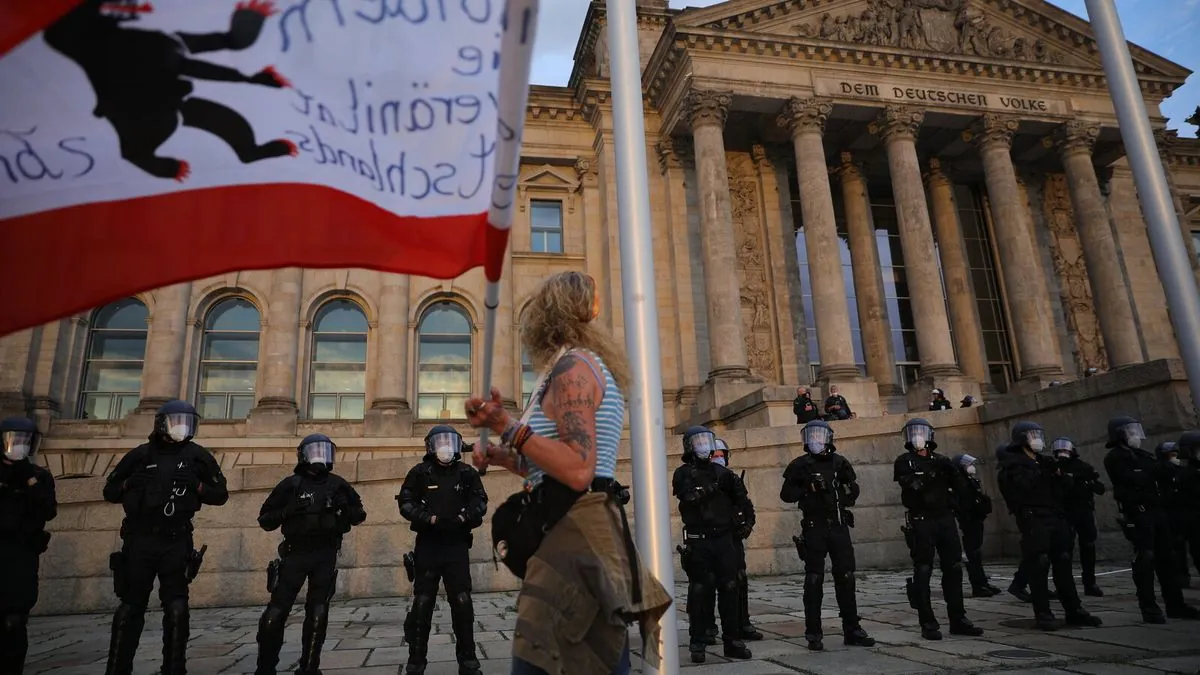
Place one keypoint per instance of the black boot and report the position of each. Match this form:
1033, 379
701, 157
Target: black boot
711, 635
1080, 617
1183, 611
728, 601
813, 590
1087, 567
462, 618
126, 632
746, 629
854, 636
963, 626
980, 588
1143, 580
700, 616
930, 630
1045, 621
312, 638
952, 592
270, 639
416, 633
14, 643
175, 637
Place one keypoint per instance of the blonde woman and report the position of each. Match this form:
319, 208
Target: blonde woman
583, 581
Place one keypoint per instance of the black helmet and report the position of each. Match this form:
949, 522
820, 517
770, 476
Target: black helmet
1165, 449
316, 449
1125, 430
1030, 435
1189, 445
918, 435
724, 448
19, 439
699, 443
968, 401
1062, 445
444, 443
176, 421
818, 437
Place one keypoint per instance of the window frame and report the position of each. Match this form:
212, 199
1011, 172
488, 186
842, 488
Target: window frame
468, 338
115, 405
201, 361
535, 231
314, 366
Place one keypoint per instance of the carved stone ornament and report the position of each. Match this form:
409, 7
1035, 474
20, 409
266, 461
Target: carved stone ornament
992, 129
849, 170
897, 121
804, 115
673, 152
707, 107
943, 26
583, 169
758, 154
1078, 304
936, 176
1076, 136
1166, 140
744, 192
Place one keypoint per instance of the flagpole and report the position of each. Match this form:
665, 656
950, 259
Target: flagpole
639, 297
1162, 221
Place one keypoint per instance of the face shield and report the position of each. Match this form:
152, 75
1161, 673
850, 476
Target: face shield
918, 435
446, 446
318, 452
181, 426
703, 445
1133, 435
19, 445
1063, 448
817, 439
967, 462
1035, 439
718, 458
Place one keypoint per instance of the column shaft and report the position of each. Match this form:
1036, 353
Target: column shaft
391, 384
162, 374
282, 338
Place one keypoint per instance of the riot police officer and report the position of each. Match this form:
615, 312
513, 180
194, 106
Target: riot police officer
1134, 474
974, 506
1188, 482
710, 496
1035, 487
825, 487
27, 501
443, 499
1081, 507
930, 486
1177, 502
938, 401
161, 484
744, 521
315, 508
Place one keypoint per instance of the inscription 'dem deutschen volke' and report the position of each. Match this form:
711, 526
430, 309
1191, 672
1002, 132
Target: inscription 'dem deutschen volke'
935, 96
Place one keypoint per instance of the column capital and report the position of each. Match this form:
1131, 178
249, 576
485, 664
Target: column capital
936, 175
1076, 136
1165, 139
702, 107
804, 115
758, 153
848, 169
992, 129
673, 152
897, 121
584, 170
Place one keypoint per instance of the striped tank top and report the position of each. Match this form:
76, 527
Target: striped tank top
610, 419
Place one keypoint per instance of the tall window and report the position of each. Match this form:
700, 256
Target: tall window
338, 386
443, 362
987, 288
112, 377
546, 226
228, 360
529, 378
895, 285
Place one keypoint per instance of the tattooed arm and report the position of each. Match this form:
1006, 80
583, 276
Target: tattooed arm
571, 401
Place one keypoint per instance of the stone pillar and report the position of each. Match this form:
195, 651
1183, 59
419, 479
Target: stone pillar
1024, 284
390, 414
162, 372
1166, 139
707, 111
1114, 310
868, 279
276, 413
16, 351
956, 272
805, 118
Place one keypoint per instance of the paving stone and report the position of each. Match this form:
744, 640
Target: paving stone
1111, 669
1175, 664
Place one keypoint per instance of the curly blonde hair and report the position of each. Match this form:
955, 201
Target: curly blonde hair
560, 313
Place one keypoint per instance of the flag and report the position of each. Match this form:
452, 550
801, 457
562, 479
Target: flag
149, 143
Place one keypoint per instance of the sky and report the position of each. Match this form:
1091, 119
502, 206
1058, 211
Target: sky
1169, 28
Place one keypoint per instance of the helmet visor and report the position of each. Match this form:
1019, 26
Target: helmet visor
967, 460
181, 426
817, 438
19, 445
318, 452
446, 445
703, 445
1133, 431
918, 435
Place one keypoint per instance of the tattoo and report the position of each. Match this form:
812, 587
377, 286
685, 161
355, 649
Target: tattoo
573, 431
573, 404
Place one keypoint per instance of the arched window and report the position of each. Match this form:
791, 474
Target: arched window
338, 387
112, 375
443, 362
228, 360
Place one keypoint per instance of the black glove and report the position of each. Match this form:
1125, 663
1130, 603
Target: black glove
18, 475
139, 479
186, 477
340, 501
819, 483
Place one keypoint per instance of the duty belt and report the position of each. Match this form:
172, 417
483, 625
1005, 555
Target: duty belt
913, 516
158, 530
706, 534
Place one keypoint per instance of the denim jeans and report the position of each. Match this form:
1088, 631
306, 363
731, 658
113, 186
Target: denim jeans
520, 667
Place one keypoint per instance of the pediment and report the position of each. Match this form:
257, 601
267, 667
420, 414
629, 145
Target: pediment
547, 176
1031, 31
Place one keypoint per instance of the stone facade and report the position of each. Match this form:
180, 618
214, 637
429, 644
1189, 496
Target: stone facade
885, 195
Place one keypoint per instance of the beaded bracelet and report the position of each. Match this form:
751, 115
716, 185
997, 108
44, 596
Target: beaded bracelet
507, 435
522, 435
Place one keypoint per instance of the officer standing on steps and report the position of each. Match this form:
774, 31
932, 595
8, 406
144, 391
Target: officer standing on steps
444, 499
315, 508
161, 484
1081, 507
930, 487
825, 487
710, 496
1035, 488
1134, 473
27, 501
974, 506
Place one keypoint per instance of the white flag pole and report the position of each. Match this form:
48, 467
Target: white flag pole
650, 483
516, 60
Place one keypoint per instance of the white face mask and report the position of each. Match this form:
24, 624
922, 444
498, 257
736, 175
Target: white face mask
971, 470
445, 454
719, 461
1134, 442
1037, 444
1175, 461
918, 442
178, 432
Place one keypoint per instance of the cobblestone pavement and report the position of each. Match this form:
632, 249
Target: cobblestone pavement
365, 637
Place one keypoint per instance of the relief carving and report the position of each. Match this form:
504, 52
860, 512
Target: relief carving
1079, 306
943, 26
751, 267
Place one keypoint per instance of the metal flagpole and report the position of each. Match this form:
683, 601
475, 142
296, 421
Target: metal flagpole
650, 482
1162, 223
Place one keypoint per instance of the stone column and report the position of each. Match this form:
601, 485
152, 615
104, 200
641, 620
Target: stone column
956, 272
1114, 310
1033, 324
390, 413
1166, 139
162, 371
868, 279
707, 111
16, 351
276, 413
898, 126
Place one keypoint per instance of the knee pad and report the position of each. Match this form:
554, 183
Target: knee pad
741, 576
273, 618
177, 610
462, 599
1063, 556
730, 586
127, 612
316, 610
923, 571
842, 578
814, 579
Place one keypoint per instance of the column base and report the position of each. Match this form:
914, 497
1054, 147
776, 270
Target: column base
1047, 372
388, 417
734, 374
273, 417
45, 411
955, 387
839, 372
149, 405
860, 392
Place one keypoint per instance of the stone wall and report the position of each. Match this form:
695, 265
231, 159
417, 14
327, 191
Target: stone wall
75, 575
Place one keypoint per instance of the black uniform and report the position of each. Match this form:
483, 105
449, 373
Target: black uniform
939, 402
974, 506
1186, 504
443, 503
161, 485
1134, 475
1080, 507
804, 409
315, 508
27, 501
744, 521
824, 485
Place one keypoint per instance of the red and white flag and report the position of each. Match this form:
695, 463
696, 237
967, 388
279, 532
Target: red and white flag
148, 143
